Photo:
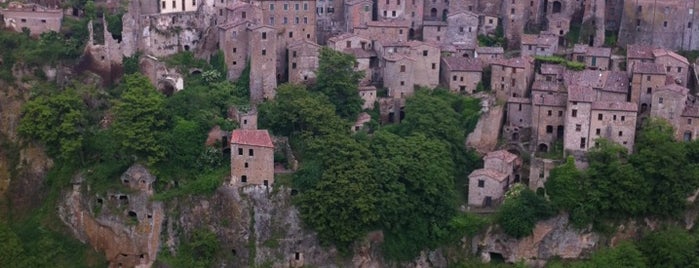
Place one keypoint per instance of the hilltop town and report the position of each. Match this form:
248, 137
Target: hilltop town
364, 113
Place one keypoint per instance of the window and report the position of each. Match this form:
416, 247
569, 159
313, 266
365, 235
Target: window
243, 14
393, 13
293, 65
296, 6
348, 44
598, 131
549, 129
434, 66
271, 20
638, 22
667, 69
402, 68
400, 31
665, 24
461, 29
174, 5
286, 6
296, 20
285, 20
246, 164
305, 6
293, 54
424, 53
305, 20
481, 183
264, 35
271, 6
614, 118
679, 69
240, 151
520, 107
550, 112
264, 52
162, 5
582, 143
291, 34
512, 11
649, 90
660, 100
402, 83
366, 9
251, 152
621, 133
600, 116
244, 178
647, 77
578, 127
453, 78
560, 113
574, 113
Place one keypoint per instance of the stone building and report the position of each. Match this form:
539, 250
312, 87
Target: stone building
558, 24
303, 61
669, 102
462, 29
410, 10
178, 6
543, 44
36, 18
489, 54
637, 54
594, 57
539, 171
252, 158
434, 31
676, 66
400, 69
330, 19
357, 13
548, 116
577, 123
614, 121
550, 72
436, 10
511, 77
391, 30
361, 48
669, 24
425, 71
519, 120
368, 95
646, 78
487, 186
233, 41
461, 75
263, 63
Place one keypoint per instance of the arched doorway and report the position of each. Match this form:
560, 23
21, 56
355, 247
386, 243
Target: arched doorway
687, 136
411, 33
166, 87
515, 136
445, 13
559, 132
644, 107
433, 13
557, 7
543, 147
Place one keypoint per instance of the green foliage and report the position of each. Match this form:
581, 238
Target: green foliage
131, 65
57, 121
672, 247
11, 251
90, 10
115, 25
624, 255
338, 80
521, 210
571, 65
140, 120
197, 250
218, 62
563, 186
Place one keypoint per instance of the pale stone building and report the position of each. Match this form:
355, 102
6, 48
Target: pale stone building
357, 13
519, 120
488, 185
425, 69
637, 54
548, 119
252, 158
489, 54
263, 63
462, 29
461, 75
330, 19
543, 44
388, 30
676, 66
34, 17
368, 95
646, 78
410, 10
361, 48
511, 77
303, 61
578, 112
598, 58
434, 31
614, 121
400, 69
174, 6
673, 103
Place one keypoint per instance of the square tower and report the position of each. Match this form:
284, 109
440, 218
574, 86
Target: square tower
252, 158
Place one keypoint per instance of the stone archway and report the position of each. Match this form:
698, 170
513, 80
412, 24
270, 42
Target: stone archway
557, 7
166, 87
543, 147
433, 13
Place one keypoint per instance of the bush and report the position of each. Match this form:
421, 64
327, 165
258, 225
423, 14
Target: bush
521, 210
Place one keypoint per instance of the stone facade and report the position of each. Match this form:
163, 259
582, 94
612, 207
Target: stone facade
252, 158
400, 68
614, 121
410, 10
461, 75
489, 54
263, 63
511, 77
544, 44
676, 66
488, 185
548, 119
330, 19
594, 57
462, 29
174, 6
646, 78
669, 24
303, 61
357, 13
434, 31
671, 102
368, 95
36, 18
393, 30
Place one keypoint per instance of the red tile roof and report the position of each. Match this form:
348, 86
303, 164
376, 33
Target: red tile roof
252, 137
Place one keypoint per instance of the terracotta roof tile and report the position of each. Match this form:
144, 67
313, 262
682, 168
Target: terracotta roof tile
639, 52
581, 93
252, 137
661, 52
489, 173
648, 68
551, 100
501, 154
463, 64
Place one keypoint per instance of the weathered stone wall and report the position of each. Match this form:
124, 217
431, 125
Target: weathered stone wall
252, 165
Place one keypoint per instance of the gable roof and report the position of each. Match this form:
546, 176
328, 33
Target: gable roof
661, 52
489, 173
501, 154
252, 137
463, 64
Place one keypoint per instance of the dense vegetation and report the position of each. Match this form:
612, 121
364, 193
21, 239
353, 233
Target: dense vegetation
654, 181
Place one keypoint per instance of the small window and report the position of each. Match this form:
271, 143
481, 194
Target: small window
43, 21
582, 143
679, 69
550, 112
600, 117
264, 52
291, 34
621, 133
424, 53
481, 183
574, 113
293, 65
649, 90
598, 131
244, 178
647, 77
578, 127
453, 78
402, 83
251, 152
264, 35
560, 113
665, 24
549, 129
614, 118
240, 151
434, 66
246, 164
402, 68
271, 6
689, 121
660, 100
293, 54
235, 50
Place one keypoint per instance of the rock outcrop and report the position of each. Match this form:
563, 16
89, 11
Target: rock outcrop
126, 226
550, 238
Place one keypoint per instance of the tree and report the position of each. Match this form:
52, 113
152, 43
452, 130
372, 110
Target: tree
58, 121
140, 120
672, 247
11, 251
338, 80
624, 255
564, 186
521, 210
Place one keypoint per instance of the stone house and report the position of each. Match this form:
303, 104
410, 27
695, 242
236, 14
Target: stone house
646, 78
461, 75
252, 158
361, 48
489, 54
558, 24
676, 65
437, 10
368, 95
511, 77
387, 30
303, 61
362, 119
615, 88
330, 19
670, 102
401, 69
391, 110
544, 44
614, 121
518, 120
426, 57
539, 171
638, 54
594, 57
550, 72
434, 31
462, 29
487, 186
689, 124
166, 7
263, 63
234, 41
489, 23
577, 122
357, 13
547, 119
349, 41
34, 17
411, 10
